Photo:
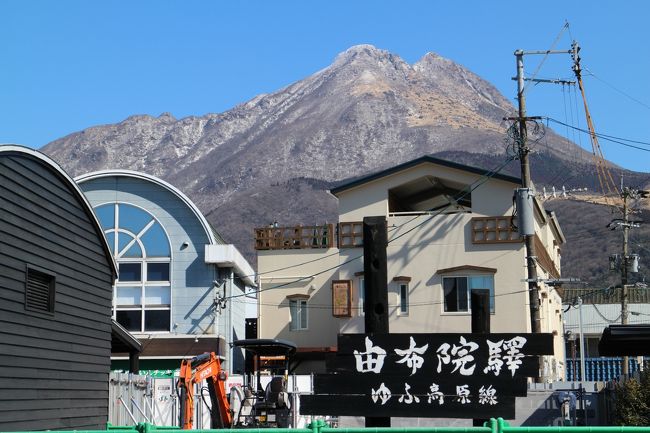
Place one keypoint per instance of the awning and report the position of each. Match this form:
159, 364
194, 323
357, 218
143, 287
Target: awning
625, 340
173, 346
122, 341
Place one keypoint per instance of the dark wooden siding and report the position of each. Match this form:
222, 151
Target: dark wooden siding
54, 368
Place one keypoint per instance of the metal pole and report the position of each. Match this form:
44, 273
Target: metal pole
624, 367
582, 362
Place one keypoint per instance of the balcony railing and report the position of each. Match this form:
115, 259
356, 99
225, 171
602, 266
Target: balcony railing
296, 237
485, 230
599, 369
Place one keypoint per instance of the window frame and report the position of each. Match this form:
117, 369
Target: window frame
121, 257
361, 294
403, 293
296, 322
468, 285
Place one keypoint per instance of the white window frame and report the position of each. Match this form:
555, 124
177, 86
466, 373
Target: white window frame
143, 261
469, 292
296, 308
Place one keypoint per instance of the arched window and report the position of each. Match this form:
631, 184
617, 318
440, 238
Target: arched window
142, 296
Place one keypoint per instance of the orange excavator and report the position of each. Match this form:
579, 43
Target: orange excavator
255, 406
204, 367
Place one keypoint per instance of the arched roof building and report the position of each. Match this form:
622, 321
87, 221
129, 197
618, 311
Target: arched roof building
175, 270
56, 278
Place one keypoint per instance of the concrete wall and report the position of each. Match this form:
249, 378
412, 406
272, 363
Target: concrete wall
443, 242
278, 283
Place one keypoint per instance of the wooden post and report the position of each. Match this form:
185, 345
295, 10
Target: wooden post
134, 362
480, 311
375, 239
480, 302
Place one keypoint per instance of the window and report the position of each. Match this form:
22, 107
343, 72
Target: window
362, 297
298, 310
403, 299
39, 291
142, 301
456, 291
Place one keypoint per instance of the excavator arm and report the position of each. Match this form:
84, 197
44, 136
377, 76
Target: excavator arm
204, 367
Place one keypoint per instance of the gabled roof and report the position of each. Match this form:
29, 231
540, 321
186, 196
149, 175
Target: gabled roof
355, 182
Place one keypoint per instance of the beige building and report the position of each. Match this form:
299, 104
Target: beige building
449, 231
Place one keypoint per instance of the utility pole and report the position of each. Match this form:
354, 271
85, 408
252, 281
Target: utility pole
627, 261
523, 150
626, 228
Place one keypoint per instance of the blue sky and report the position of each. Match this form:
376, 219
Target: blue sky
68, 65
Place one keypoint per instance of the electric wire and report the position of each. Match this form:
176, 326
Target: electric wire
326, 306
603, 316
618, 140
476, 184
643, 104
541, 63
575, 103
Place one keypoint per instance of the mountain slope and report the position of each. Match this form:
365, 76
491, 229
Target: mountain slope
277, 153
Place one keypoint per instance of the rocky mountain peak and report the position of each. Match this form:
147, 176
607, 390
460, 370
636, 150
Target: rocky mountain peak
372, 58
166, 117
277, 153
362, 51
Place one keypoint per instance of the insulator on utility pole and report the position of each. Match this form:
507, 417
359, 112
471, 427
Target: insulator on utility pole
525, 212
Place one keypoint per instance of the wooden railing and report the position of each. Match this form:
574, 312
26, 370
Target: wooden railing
296, 237
544, 259
485, 230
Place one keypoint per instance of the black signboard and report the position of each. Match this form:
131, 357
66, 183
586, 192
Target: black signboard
427, 375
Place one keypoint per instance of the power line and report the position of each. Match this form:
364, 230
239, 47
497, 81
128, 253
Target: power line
477, 184
614, 139
411, 304
541, 63
643, 104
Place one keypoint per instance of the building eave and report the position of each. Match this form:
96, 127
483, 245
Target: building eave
356, 182
228, 256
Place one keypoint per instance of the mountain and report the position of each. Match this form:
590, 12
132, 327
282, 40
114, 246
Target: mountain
273, 157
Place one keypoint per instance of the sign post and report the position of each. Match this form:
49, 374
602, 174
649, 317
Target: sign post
427, 375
